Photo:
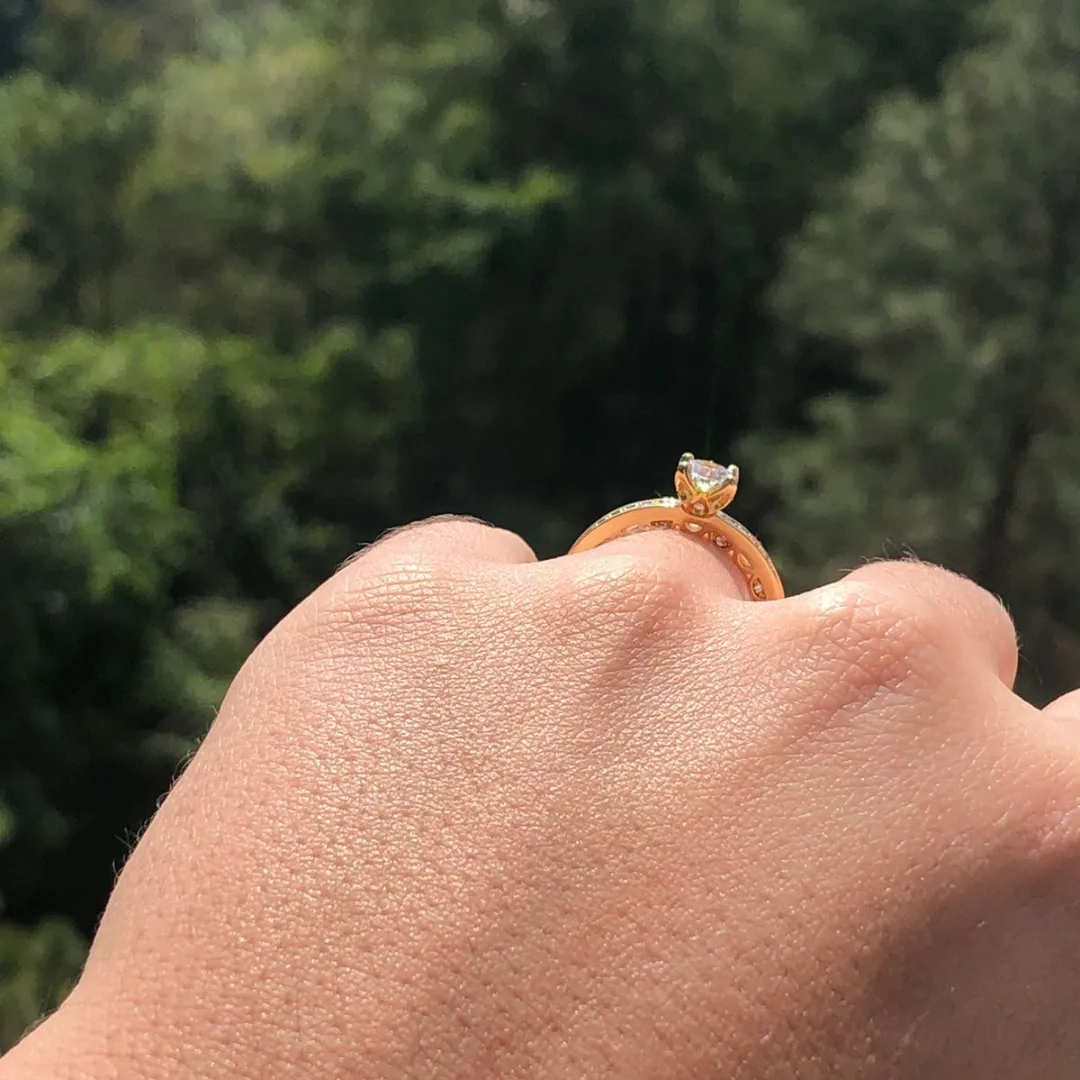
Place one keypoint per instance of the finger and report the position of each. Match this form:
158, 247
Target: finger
701, 562
1066, 708
444, 539
979, 621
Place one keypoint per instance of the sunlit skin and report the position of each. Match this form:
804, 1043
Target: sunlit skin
467, 815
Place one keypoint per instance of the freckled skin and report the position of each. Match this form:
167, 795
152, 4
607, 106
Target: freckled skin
466, 815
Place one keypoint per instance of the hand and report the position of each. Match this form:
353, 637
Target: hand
466, 815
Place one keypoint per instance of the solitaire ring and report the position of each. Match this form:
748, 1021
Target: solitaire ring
703, 489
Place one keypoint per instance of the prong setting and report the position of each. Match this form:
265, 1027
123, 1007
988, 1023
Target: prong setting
704, 488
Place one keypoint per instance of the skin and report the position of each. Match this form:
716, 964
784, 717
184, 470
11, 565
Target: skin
467, 815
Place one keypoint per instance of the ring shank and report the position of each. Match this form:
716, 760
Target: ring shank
744, 549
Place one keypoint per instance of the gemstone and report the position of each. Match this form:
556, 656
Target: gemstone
694, 526
707, 476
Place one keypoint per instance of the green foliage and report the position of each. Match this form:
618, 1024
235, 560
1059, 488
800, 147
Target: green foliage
949, 265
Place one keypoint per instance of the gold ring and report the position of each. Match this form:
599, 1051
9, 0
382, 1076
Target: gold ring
702, 490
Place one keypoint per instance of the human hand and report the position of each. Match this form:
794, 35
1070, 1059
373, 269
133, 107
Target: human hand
466, 815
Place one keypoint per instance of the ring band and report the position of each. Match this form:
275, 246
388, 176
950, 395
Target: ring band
703, 489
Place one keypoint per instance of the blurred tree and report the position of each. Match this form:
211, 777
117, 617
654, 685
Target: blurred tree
15, 19
949, 265
629, 321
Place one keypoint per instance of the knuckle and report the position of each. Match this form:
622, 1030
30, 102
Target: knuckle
434, 542
412, 574
865, 649
390, 594
885, 623
370, 611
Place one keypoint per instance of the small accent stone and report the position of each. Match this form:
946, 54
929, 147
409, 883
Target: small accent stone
693, 526
722, 542
758, 589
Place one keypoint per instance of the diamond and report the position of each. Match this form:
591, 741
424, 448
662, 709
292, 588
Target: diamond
707, 476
